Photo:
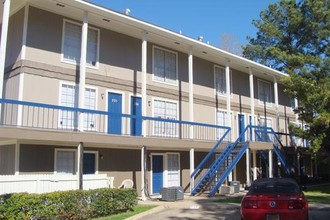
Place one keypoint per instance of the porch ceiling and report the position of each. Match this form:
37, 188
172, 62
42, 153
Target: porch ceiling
128, 25
68, 138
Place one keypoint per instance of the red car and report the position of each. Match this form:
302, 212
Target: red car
274, 199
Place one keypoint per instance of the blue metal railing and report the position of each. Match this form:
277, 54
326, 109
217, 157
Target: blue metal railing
261, 133
54, 117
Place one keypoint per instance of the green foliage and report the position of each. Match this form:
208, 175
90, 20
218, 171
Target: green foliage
293, 36
67, 204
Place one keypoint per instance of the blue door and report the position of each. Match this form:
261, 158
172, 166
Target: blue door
114, 110
89, 163
241, 125
157, 173
136, 122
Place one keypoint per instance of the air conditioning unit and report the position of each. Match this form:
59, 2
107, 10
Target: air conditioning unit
173, 193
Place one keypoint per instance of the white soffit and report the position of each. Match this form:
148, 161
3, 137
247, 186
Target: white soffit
119, 22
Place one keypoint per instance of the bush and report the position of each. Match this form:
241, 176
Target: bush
76, 204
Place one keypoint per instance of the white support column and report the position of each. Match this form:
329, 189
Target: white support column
144, 83
80, 157
82, 70
228, 95
248, 167
23, 57
229, 124
143, 195
277, 128
254, 158
17, 153
3, 42
191, 92
251, 98
270, 157
192, 167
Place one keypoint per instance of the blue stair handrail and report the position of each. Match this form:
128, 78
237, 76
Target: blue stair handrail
281, 157
209, 176
217, 164
196, 173
229, 170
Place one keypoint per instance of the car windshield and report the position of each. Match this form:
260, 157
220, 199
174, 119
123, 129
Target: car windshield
274, 187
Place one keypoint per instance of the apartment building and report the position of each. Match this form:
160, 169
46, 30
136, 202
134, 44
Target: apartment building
92, 97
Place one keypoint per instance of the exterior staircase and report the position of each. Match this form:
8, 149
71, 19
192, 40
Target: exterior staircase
213, 171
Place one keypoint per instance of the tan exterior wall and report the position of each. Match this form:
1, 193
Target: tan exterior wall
7, 159
11, 86
15, 37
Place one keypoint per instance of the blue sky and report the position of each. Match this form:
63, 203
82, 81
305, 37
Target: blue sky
208, 18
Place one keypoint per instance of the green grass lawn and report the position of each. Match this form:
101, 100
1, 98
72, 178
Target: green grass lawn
137, 209
318, 194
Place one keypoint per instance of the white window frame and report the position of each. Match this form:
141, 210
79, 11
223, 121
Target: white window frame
60, 103
297, 141
153, 66
266, 120
64, 60
166, 171
230, 80
75, 162
230, 135
269, 104
75, 101
165, 168
154, 99
95, 108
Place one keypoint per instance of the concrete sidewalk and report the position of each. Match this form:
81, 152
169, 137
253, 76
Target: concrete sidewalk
191, 207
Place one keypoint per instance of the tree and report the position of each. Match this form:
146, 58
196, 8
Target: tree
294, 37
229, 43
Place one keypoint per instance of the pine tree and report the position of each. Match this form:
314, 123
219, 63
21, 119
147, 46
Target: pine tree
293, 37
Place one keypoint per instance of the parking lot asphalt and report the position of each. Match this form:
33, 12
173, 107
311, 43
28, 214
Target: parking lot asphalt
206, 208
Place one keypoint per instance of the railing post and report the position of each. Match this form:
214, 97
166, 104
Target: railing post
192, 167
270, 157
143, 188
248, 167
80, 165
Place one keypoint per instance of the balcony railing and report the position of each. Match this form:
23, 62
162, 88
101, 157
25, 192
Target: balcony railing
44, 116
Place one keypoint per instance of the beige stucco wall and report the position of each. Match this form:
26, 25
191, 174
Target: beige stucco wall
7, 159
15, 37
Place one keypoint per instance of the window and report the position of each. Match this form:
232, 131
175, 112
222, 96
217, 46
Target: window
220, 81
165, 110
264, 92
261, 134
72, 44
173, 169
293, 103
65, 161
164, 66
68, 119
90, 103
222, 121
68, 94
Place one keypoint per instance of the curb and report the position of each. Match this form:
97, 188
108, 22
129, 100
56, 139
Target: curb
142, 214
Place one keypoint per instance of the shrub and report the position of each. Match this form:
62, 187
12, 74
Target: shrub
77, 204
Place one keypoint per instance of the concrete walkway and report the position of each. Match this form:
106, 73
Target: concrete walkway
191, 207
